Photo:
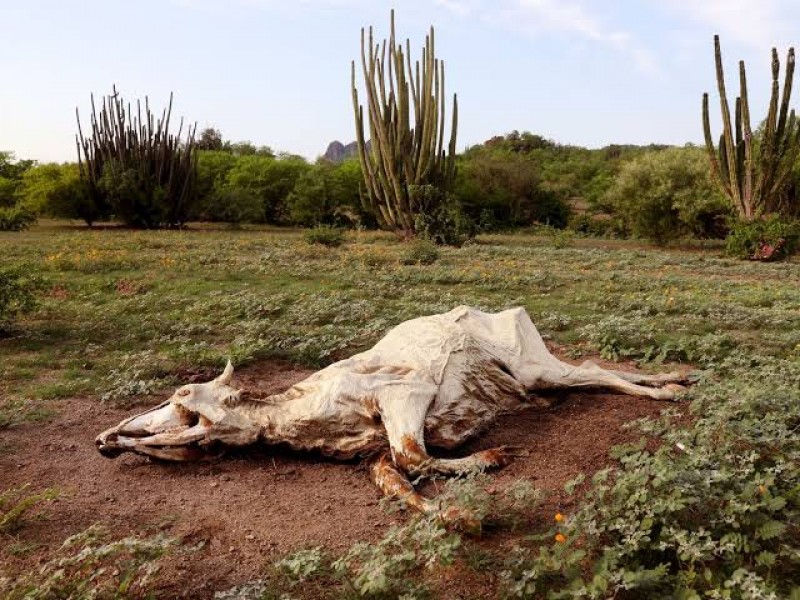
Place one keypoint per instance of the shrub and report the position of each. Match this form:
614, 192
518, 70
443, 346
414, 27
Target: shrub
135, 200
596, 225
329, 195
16, 218
561, 238
89, 565
58, 191
420, 252
309, 203
446, 223
15, 503
145, 174
8, 189
212, 175
235, 206
505, 190
16, 295
767, 239
668, 194
710, 511
325, 235
271, 180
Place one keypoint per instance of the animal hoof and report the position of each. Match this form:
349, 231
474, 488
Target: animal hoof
675, 387
460, 519
501, 456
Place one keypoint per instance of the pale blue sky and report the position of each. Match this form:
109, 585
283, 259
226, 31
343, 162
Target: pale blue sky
277, 72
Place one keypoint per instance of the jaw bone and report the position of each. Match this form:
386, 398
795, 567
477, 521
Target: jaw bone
183, 427
168, 432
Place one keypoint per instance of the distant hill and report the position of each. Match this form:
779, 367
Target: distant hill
337, 152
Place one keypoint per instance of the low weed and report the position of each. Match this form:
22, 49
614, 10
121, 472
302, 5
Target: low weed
713, 512
420, 252
397, 565
16, 504
325, 235
91, 565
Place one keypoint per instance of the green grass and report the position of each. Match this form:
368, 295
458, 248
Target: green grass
122, 311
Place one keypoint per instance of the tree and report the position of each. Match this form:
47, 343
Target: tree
505, 190
11, 172
210, 139
666, 194
270, 180
249, 149
58, 191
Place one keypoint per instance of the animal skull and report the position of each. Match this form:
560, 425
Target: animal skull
186, 426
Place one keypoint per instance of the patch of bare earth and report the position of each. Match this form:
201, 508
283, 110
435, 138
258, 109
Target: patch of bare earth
249, 508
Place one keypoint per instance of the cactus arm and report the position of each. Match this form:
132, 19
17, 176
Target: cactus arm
726, 125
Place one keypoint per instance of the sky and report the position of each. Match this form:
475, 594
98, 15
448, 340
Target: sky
277, 72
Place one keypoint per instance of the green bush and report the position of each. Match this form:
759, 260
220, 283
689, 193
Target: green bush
710, 511
329, 195
16, 296
57, 190
16, 218
667, 194
763, 239
8, 190
596, 225
269, 179
212, 175
135, 200
234, 206
309, 203
420, 252
447, 224
502, 190
325, 235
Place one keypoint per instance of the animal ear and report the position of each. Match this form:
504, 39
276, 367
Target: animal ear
226, 376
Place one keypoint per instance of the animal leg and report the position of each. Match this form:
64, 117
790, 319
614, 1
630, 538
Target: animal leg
569, 376
494, 458
404, 415
395, 484
536, 368
640, 378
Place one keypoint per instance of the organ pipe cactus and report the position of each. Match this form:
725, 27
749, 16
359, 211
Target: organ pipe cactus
404, 158
141, 148
753, 173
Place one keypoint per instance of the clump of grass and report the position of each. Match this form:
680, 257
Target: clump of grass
88, 565
420, 252
325, 235
16, 295
17, 503
396, 566
712, 512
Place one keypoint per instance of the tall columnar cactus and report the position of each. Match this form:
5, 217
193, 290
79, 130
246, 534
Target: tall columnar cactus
404, 159
156, 166
751, 172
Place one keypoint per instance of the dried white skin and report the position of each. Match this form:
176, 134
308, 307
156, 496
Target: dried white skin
437, 380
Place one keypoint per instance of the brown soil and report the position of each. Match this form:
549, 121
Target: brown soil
249, 508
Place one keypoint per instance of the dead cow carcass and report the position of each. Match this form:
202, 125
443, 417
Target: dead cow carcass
431, 382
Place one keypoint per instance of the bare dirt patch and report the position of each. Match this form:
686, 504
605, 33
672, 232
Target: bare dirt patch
247, 509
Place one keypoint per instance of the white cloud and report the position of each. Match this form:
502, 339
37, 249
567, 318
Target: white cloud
758, 24
567, 17
462, 8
